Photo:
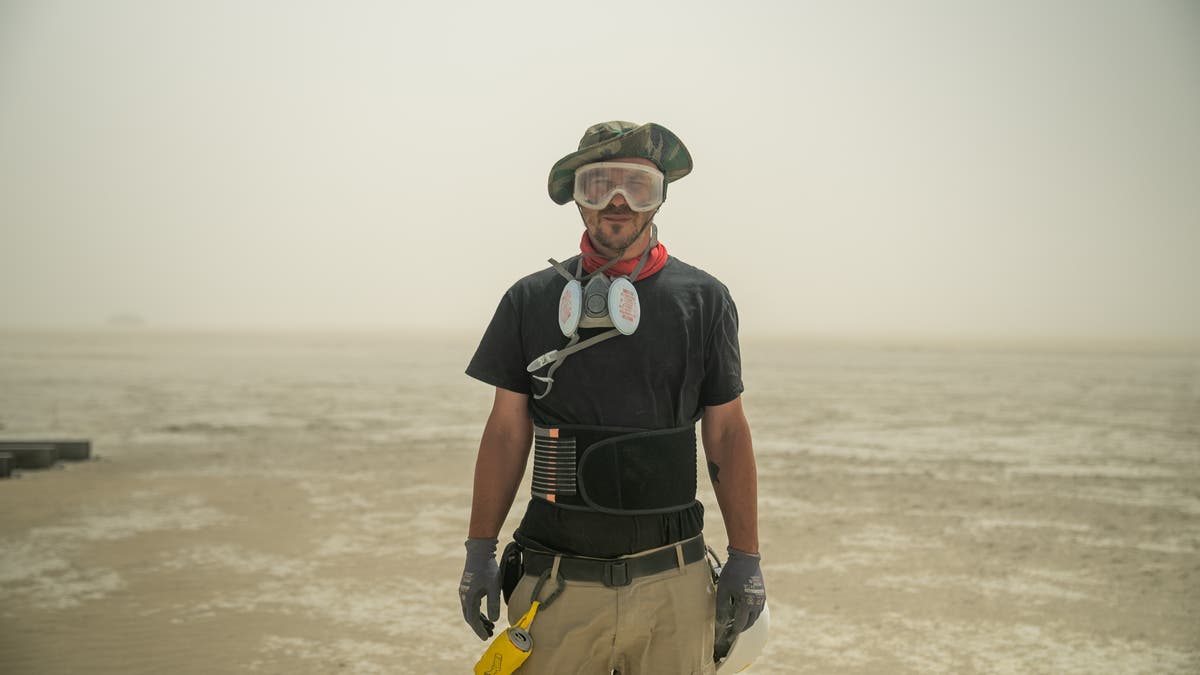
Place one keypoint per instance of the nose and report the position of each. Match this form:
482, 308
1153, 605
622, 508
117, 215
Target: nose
617, 196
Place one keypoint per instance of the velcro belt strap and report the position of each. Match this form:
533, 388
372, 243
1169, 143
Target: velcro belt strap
644, 472
615, 572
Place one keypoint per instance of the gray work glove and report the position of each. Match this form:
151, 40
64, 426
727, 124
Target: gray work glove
481, 576
741, 597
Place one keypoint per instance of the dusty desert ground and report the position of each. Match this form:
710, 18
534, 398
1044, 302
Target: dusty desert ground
296, 503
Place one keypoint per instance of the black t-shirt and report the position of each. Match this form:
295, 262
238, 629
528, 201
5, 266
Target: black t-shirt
683, 356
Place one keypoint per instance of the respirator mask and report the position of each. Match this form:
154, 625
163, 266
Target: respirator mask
599, 303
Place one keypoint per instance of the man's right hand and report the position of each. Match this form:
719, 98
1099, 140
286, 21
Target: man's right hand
741, 596
481, 576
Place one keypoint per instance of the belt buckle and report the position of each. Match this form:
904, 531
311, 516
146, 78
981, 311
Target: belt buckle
616, 574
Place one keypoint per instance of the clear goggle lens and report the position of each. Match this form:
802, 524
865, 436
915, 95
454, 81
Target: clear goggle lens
596, 184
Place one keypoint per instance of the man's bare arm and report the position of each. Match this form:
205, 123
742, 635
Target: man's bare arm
730, 454
500, 464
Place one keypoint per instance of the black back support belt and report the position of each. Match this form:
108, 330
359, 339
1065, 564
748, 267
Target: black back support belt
615, 470
615, 571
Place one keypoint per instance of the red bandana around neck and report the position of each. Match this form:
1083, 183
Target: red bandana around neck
594, 260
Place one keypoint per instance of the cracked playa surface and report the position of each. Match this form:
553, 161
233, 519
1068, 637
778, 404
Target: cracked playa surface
297, 504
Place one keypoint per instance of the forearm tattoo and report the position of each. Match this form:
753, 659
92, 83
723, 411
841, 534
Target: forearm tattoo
713, 470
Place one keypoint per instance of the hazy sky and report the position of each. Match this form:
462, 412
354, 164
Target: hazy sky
980, 168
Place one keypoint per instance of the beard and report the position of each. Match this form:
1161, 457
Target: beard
612, 237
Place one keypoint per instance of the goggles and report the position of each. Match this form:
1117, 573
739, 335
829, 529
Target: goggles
596, 184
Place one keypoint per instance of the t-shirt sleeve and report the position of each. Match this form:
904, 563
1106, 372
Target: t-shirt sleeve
499, 360
723, 357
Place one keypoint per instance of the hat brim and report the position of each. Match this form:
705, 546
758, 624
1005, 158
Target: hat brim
649, 141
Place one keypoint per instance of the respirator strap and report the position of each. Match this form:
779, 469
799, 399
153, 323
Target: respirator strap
600, 270
561, 269
646, 254
557, 356
549, 377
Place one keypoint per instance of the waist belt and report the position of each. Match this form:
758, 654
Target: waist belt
616, 572
615, 470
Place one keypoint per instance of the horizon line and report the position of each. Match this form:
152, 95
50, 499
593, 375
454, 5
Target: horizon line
768, 335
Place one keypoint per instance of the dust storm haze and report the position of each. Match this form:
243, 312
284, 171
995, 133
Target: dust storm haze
937, 168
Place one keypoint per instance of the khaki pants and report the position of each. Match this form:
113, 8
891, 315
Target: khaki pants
660, 624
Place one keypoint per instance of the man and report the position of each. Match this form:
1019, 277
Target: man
605, 362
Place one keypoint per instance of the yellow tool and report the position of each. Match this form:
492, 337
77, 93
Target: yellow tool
510, 649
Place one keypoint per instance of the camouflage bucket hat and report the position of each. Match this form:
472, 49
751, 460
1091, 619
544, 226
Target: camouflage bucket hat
615, 140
